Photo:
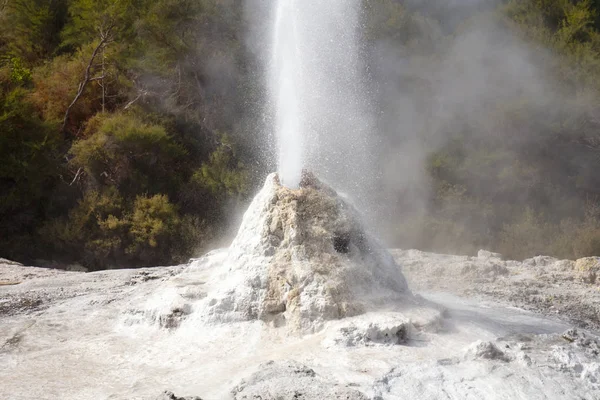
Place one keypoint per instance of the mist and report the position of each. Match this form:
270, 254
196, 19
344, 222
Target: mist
448, 124
424, 98
454, 83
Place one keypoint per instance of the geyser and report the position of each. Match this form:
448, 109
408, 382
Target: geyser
287, 74
318, 94
302, 257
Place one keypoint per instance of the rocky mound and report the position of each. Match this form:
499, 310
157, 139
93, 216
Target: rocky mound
302, 257
291, 380
542, 284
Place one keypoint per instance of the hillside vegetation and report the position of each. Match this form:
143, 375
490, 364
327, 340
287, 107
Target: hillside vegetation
130, 129
509, 130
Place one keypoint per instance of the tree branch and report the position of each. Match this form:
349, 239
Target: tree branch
105, 37
141, 93
76, 176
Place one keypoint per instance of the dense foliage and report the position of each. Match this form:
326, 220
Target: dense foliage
118, 140
128, 127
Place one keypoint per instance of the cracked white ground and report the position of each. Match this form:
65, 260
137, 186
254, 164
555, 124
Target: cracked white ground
98, 336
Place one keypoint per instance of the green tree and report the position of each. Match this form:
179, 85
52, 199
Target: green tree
29, 170
99, 23
92, 20
32, 28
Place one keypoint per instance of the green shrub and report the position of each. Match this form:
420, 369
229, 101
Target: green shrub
104, 230
128, 153
20, 75
92, 232
528, 236
153, 227
222, 176
531, 234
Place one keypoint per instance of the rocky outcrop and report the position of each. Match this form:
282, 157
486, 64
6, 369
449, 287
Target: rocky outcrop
303, 257
373, 330
542, 284
166, 395
289, 380
485, 350
588, 269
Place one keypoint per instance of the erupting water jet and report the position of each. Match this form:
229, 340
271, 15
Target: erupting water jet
287, 73
319, 96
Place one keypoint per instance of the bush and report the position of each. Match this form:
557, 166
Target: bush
531, 234
124, 151
153, 227
92, 232
528, 236
55, 86
20, 74
104, 231
222, 176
